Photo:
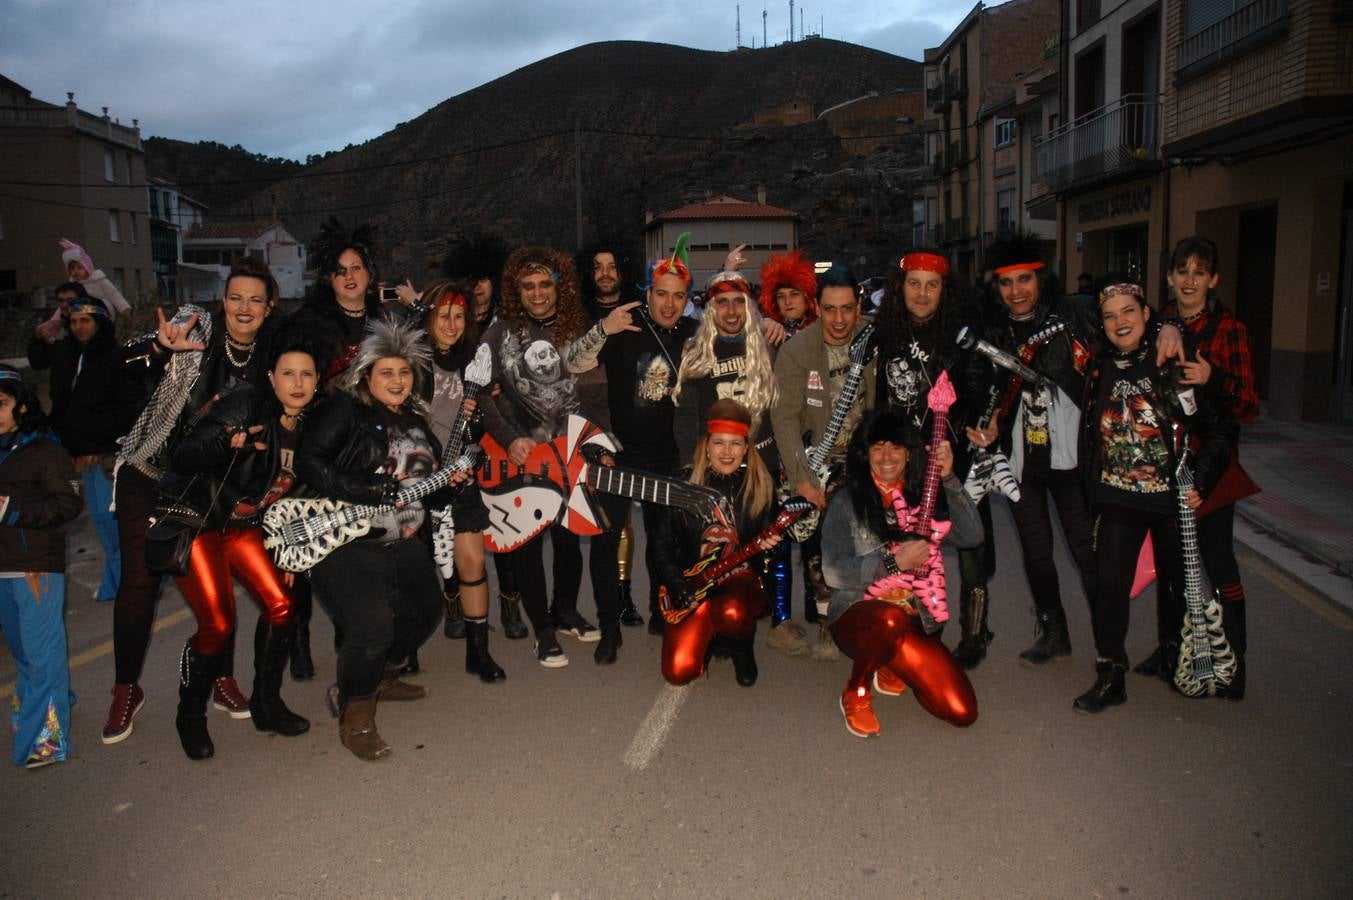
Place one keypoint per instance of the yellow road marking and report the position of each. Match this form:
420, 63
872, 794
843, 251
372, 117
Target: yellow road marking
1296, 590
93, 653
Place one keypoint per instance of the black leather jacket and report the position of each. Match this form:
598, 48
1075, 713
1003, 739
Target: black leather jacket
677, 538
201, 459
1057, 359
343, 446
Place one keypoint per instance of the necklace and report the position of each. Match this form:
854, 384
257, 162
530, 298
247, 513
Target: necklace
1195, 315
231, 344
356, 314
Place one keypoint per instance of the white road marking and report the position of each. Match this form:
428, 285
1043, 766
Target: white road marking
659, 721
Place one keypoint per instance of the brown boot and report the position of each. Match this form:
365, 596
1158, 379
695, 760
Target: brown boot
391, 688
357, 730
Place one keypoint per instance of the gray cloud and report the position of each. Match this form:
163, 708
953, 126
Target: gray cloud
293, 79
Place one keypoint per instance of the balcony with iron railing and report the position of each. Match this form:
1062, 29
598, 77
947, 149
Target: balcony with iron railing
1087, 14
1118, 137
1246, 28
953, 230
956, 84
935, 98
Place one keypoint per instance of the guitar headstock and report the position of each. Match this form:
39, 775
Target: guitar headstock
1183, 473
480, 369
793, 509
942, 394
860, 348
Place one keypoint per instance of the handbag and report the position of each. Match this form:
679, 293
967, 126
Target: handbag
174, 527
169, 539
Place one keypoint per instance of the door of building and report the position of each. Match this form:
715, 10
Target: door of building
1127, 252
1343, 347
1255, 257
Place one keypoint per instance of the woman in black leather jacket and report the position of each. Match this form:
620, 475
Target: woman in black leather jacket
382, 590
230, 463
725, 623
1136, 415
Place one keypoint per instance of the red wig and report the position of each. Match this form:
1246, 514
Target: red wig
789, 270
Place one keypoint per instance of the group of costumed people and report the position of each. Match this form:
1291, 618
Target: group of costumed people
1124, 415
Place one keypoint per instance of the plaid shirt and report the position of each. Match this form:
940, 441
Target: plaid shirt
1228, 352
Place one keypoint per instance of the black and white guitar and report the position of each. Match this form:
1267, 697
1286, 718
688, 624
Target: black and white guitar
477, 376
819, 454
1206, 661
300, 533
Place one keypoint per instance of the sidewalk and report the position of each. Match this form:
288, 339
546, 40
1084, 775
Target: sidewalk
1306, 472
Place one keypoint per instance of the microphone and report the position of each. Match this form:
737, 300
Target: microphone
969, 341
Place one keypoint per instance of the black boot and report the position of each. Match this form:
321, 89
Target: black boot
629, 615
197, 675
1233, 625
610, 642
302, 664
1152, 664
455, 616
272, 646
1053, 639
1110, 688
972, 617
656, 623
477, 659
411, 665
509, 602
744, 662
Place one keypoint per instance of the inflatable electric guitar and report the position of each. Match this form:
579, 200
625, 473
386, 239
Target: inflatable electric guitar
477, 375
555, 484
719, 564
820, 452
299, 533
1206, 661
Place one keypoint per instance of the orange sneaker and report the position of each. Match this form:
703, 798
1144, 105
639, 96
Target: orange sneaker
859, 712
887, 683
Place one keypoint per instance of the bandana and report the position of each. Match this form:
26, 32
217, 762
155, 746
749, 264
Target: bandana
1120, 289
727, 426
925, 262
88, 308
728, 283
1015, 267
451, 298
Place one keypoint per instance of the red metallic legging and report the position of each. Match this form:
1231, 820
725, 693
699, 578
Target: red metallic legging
876, 633
216, 556
731, 611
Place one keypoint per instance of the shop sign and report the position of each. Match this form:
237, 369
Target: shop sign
1122, 203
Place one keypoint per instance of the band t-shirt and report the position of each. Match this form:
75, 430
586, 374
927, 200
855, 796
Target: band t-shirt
641, 372
410, 458
1133, 457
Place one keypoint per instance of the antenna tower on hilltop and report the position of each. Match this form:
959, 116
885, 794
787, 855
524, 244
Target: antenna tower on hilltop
739, 37
764, 42
791, 21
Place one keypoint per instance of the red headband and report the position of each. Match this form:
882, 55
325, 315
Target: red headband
450, 298
925, 262
1014, 267
727, 426
728, 286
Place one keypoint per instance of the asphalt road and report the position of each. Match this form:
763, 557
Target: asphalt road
605, 782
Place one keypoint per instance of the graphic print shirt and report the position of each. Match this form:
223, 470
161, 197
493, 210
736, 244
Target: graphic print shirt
1134, 460
410, 458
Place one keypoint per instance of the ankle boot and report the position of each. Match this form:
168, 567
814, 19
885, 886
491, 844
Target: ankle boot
744, 661
357, 729
391, 688
972, 616
656, 623
302, 664
1109, 689
1233, 625
1152, 664
477, 659
272, 647
610, 642
509, 603
197, 676
1053, 639
454, 627
629, 615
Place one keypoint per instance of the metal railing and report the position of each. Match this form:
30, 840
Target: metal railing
62, 117
1087, 14
956, 84
1221, 39
1120, 135
935, 97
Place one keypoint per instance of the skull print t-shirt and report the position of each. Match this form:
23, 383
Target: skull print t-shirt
410, 457
1134, 461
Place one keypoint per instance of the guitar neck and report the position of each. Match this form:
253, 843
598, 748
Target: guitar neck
840, 410
455, 441
930, 492
648, 488
1188, 551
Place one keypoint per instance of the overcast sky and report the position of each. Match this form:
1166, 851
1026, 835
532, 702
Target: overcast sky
282, 78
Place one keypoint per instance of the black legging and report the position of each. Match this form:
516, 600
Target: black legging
139, 589
1033, 521
386, 598
1118, 542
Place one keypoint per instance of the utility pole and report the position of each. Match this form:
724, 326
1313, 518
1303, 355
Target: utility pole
578, 175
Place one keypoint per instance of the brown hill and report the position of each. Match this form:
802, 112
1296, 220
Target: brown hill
660, 126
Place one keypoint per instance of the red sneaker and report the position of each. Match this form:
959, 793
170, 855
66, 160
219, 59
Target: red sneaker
887, 683
127, 702
227, 697
857, 707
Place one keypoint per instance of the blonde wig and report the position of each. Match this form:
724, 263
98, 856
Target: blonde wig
757, 381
